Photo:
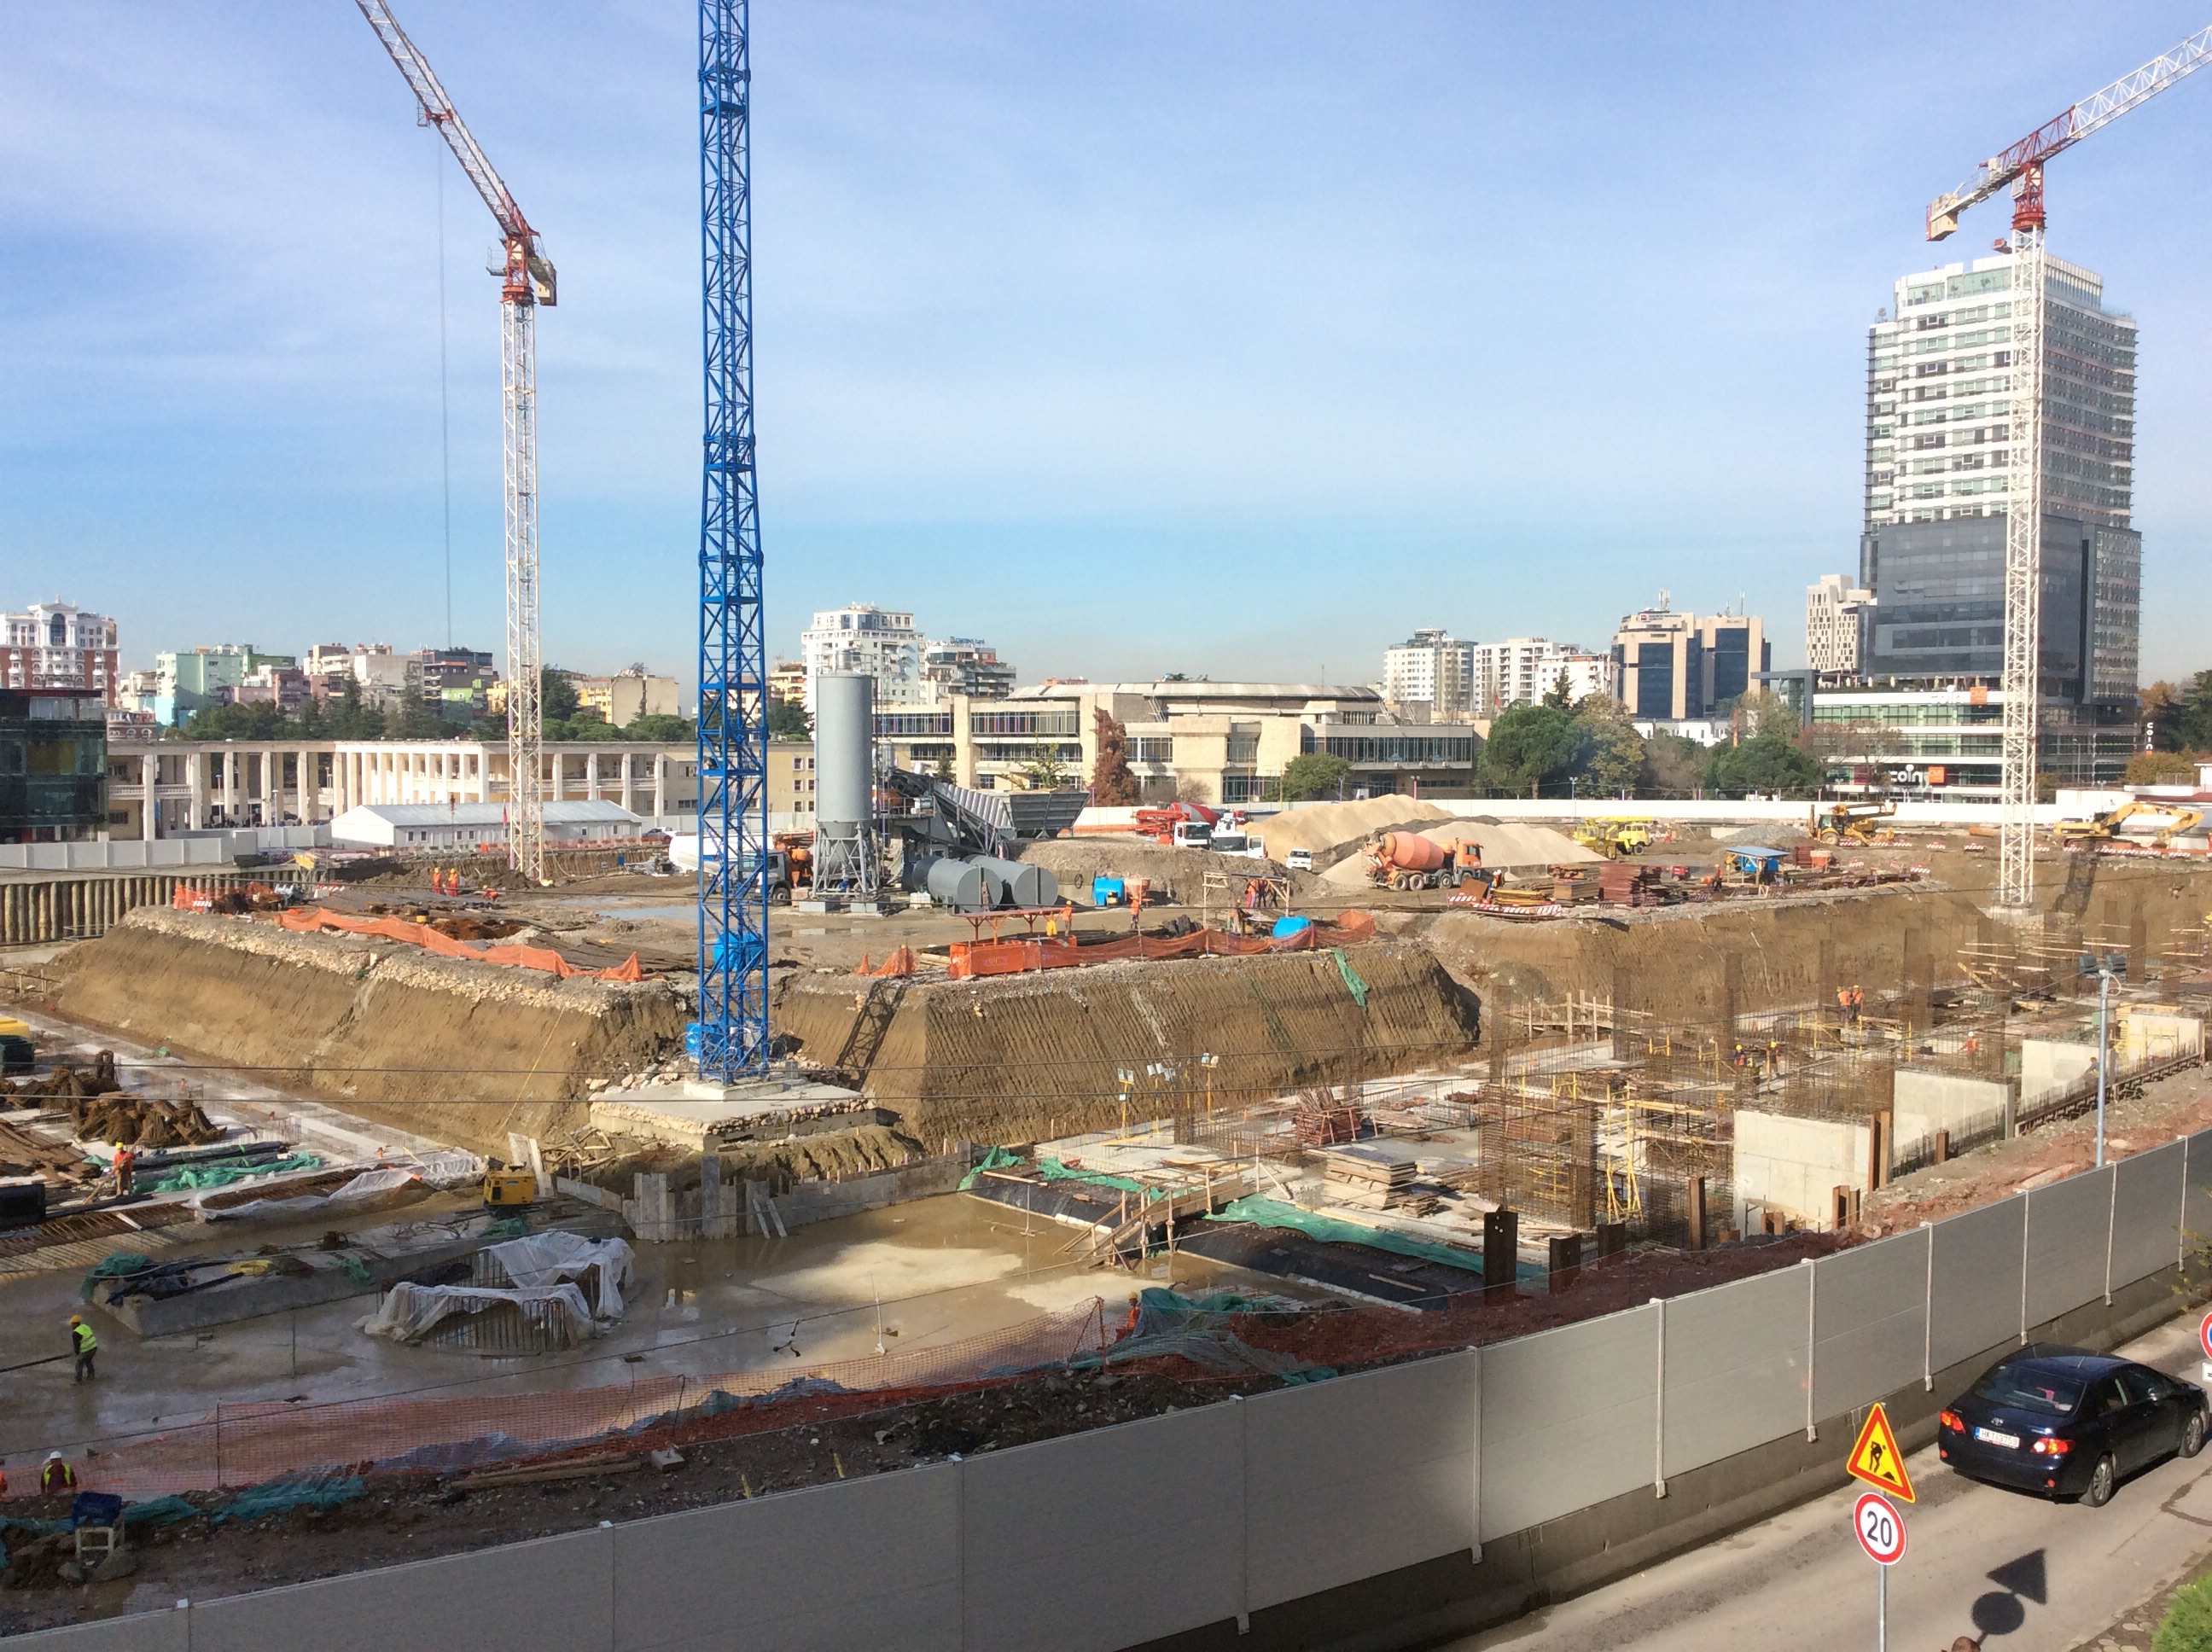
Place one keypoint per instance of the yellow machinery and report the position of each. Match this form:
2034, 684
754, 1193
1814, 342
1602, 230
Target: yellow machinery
510, 1185
1852, 822
2098, 828
1615, 838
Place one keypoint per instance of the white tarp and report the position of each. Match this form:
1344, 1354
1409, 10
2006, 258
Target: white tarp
371, 1190
409, 1312
540, 1261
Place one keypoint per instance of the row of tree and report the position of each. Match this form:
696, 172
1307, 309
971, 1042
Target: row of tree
346, 718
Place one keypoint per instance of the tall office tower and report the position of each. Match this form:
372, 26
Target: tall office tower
1941, 473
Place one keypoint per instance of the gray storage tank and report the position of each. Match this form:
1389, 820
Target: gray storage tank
844, 781
958, 884
1016, 883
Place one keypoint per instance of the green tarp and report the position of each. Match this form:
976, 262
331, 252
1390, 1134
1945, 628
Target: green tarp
1273, 1213
1050, 1169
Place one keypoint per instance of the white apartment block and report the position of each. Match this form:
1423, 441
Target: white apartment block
1831, 624
1431, 668
57, 644
1939, 387
1521, 671
871, 641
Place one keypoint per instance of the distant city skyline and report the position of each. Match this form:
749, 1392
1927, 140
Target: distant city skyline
1164, 355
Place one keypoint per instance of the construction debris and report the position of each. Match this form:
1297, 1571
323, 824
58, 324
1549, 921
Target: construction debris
1375, 1177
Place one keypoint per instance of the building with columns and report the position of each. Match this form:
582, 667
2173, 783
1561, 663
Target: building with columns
163, 788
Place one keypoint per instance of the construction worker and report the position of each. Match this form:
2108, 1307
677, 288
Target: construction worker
57, 1475
126, 1170
1129, 1325
1858, 1004
84, 1345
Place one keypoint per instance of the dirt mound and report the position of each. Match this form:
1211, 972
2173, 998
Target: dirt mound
140, 1122
1175, 874
1020, 1058
1515, 844
464, 1051
832, 1155
1324, 826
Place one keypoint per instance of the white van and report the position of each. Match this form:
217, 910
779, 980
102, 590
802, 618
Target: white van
1299, 860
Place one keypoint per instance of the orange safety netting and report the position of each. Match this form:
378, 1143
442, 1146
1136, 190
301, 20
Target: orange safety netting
901, 963
243, 1444
305, 920
1010, 957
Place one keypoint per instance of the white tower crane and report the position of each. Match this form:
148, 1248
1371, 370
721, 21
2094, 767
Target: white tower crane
2021, 169
528, 280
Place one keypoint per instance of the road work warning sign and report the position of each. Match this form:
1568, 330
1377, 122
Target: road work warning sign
1877, 1460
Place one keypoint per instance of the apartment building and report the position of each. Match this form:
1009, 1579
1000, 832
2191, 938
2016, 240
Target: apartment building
1677, 666
1833, 611
59, 646
872, 641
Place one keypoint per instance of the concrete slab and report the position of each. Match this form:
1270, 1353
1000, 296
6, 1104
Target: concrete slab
692, 1114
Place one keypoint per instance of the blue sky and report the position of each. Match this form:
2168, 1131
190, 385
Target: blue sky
1239, 339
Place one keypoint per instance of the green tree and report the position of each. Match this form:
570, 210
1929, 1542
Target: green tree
1531, 747
1767, 764
1560, 696
556, 695
944, 769
787, 720
1761, 711
2187, 1625
258, 720
417, 719
660, 725
1044, 771
352, 720
2160, 768
1313, 774
1614, 761
1673, 766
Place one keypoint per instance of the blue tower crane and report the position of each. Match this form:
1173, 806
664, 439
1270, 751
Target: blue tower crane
733, 841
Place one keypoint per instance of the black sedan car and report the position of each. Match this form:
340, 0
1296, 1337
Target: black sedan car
2067, 1422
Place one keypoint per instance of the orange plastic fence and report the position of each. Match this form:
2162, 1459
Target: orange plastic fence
901, 963
243, 1444
305, 920
1010, 957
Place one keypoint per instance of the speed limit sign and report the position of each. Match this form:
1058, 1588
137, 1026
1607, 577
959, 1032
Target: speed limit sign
1881, 1529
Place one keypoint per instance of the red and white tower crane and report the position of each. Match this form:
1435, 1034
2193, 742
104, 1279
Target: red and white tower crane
2020, 169
528, 280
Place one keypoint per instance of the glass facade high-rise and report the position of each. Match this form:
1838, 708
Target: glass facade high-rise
1941, 473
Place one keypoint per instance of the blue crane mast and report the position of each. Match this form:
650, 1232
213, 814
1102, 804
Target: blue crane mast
733, 841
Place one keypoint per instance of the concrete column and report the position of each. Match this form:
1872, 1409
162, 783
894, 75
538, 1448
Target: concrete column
591, 777
660, 782
629, 779
196, 778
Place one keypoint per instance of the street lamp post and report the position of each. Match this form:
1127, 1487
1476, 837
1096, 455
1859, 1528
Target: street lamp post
2112, 967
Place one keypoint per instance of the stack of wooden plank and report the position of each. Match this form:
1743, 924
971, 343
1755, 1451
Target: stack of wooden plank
1374, 1177
1323, 1121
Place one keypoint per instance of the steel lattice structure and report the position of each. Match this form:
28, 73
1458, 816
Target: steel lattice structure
528, 280
2021, 169
733, 842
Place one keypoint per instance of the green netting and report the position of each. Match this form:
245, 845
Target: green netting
194, 1176
1352, 983
1051, 1169
119, 1265
276, 1496
1202, 1329
1273, 1213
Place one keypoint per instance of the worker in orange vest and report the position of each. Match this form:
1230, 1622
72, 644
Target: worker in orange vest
126, 1170
57, 1475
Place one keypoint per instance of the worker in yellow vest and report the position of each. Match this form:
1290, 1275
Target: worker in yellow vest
84, 1344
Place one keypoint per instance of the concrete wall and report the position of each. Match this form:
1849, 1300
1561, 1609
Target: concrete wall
1795, 1166
2143, 1035
2049, 1066
1924, 1102
1394, 1508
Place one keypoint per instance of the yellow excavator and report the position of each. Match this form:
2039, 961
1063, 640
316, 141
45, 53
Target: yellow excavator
2104, 829
1615, 838
1852, 822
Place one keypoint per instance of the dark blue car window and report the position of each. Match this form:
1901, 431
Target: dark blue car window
2026, 1388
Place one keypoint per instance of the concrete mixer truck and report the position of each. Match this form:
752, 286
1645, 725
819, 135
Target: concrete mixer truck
1406, 861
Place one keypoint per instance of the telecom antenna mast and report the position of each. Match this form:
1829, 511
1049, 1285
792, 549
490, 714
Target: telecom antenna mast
2020, 168
528, 280
733, 841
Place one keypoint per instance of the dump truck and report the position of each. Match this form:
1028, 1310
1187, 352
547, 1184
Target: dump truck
1615, 838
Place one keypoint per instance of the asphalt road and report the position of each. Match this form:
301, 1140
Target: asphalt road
2022, 1574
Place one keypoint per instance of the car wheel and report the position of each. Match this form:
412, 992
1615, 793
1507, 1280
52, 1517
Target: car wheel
2192, 1433
2102, 1479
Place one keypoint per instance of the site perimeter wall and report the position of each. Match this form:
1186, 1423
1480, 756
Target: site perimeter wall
1397, 1505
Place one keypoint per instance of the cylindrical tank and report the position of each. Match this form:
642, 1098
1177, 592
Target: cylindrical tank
955, 883
844, 754
1016, 883
1410, 852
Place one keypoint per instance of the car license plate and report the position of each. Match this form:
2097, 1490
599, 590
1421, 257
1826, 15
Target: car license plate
1995, 1438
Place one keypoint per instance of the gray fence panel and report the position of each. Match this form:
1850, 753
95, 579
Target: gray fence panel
167, 1631
2147, 1213
556, 1594
2197, 1209
1106, 1539
2067, 1225
862, 1564
1568, 1419
1735, 1367
1347, 1478
1871, 1311
1974, 1295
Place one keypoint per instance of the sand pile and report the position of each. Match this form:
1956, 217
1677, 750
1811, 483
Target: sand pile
1326, 826
1515, 844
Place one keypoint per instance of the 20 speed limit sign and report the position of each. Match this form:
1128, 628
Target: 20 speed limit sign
1881, 1529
